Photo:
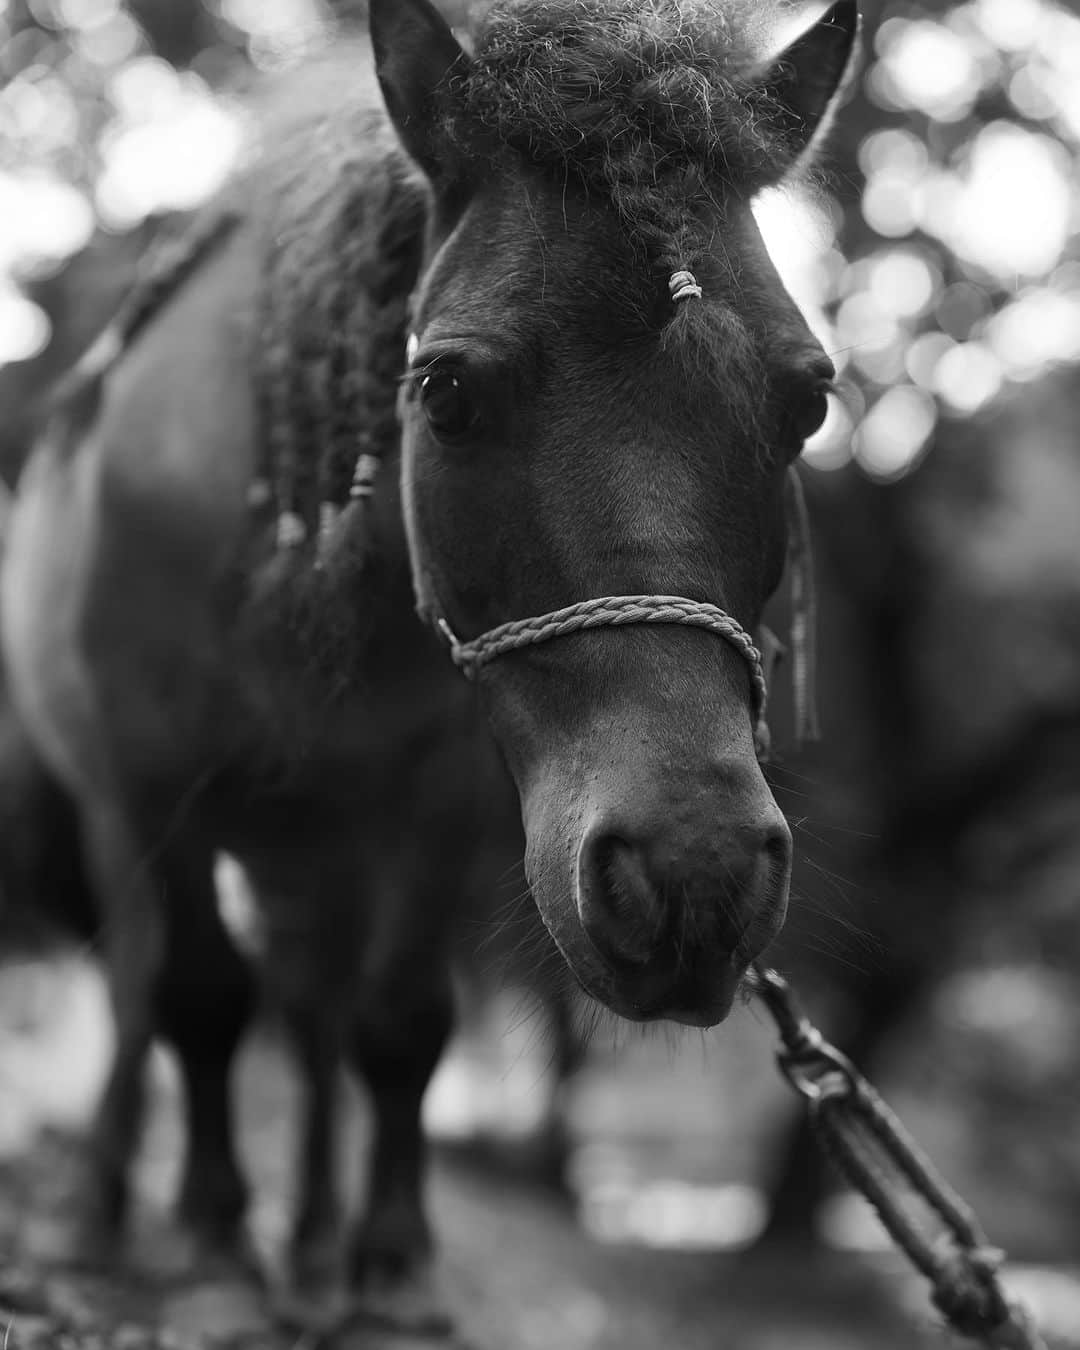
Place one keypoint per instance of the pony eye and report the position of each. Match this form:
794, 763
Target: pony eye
809, 416
447, 406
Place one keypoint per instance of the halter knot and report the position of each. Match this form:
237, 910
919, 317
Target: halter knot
683, 286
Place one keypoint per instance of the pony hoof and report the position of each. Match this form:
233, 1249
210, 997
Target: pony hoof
408, 1302
313, 1315
314, 1263
80, 1245
403, 1302
184, 1256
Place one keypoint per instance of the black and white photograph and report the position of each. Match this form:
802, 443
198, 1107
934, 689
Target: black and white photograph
539, 674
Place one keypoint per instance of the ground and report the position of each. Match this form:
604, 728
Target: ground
670, 1146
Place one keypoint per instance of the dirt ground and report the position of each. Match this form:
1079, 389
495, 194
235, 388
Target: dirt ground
661, 1131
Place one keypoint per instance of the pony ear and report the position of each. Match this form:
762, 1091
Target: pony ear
415, 51
805, 82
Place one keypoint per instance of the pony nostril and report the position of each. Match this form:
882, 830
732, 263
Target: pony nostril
771, 842
651, 907
622, 911
777, 848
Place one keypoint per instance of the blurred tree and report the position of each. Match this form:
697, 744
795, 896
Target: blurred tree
957, 284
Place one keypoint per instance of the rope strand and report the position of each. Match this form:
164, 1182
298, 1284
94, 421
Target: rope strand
618, 610
614, 611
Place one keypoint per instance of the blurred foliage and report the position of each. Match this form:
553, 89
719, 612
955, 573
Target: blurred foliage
942, 269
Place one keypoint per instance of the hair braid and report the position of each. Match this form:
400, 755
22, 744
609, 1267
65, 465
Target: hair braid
367, 321
277, 450
345, 428
307, 415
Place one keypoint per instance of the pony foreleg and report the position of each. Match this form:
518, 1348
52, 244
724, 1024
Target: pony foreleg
204, 1001
134, 943
314, 1256
171, 971
390, 1253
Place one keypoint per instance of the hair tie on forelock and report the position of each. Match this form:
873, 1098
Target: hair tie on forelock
683, 286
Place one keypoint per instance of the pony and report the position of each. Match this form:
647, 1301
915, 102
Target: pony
485, 329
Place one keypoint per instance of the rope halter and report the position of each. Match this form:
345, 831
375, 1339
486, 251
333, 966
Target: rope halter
616, 611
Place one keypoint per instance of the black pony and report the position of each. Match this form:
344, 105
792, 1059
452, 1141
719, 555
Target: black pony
540, 258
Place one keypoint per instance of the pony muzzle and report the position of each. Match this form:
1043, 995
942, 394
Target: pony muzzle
672, 921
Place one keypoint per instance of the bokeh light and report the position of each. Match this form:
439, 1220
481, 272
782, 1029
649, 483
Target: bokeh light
926, 66
24, 327
830, 446
902, 283
279, 31
1012, 25
42, 218
86, 13
1009, 210
964, 280
895, 432
1036, 330
967, 376
170, 148
110, 42
922, 357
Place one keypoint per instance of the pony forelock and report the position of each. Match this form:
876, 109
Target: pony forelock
651, 102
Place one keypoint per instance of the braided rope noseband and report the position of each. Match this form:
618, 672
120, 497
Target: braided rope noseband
612, 611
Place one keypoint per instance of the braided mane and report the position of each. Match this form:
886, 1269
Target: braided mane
340, 216
651, 102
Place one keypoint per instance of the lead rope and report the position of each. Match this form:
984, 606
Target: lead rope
853, 1124
881, 1160
803, 614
